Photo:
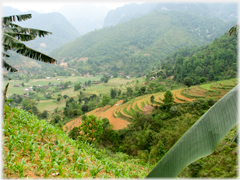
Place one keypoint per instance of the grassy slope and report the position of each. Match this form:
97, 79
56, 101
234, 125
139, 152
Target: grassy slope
33, 148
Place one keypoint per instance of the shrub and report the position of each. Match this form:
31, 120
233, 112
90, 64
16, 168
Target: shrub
74, 133
173, 110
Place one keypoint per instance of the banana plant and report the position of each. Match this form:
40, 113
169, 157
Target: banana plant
201, 139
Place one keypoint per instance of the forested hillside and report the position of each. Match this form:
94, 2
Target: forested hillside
216, 61
135, 46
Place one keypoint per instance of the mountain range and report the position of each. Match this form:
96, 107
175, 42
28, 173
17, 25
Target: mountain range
134, 46
134, 43
224, 11
85, 17
62, 30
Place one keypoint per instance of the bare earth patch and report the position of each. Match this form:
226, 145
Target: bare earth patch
147, 109
105, 112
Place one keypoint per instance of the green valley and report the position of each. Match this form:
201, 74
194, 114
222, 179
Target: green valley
153, 96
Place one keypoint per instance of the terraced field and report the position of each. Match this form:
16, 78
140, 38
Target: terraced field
120, 113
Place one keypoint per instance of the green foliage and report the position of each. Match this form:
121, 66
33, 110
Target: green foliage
168, 99
44, 114
72, 108
13, 39
152, 99
105, 78
216, 61
29, 105
34, 145
77, 86
211, 126
74, 133
113, 93
92, 128
188, 81
105, 100
140, 43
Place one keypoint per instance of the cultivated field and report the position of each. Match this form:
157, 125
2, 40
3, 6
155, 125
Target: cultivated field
120, 113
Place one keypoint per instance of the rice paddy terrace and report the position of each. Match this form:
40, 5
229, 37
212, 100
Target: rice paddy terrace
119, 114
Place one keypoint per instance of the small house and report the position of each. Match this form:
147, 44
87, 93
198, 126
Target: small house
25, 90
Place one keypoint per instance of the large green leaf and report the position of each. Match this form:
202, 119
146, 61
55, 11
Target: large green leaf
201, 139
8, 66
9, 19
234, 30
10, 42
27, 31
12, 38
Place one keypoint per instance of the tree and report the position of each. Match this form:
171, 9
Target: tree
77, 86
92, 128
74, 133
105, 100
152, 99
143, 89
113, 93
168, 99
12, 37
188, 81
65, 96
129, 91
44, 114
202, 79
29, 105
105, 78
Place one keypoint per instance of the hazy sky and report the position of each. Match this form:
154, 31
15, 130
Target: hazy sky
52, 5
55, 5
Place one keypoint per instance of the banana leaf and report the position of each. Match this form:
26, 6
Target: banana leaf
201, 139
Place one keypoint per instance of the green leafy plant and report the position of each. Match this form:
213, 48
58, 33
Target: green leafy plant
94, 171
20, 167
